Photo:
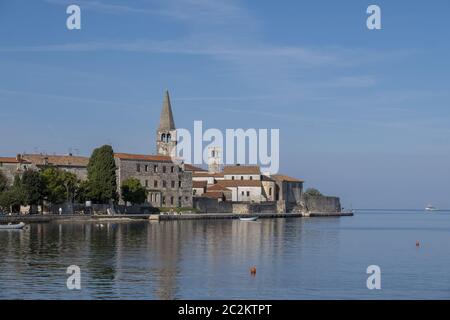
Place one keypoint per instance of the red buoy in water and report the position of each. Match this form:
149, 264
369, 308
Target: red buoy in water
253, 270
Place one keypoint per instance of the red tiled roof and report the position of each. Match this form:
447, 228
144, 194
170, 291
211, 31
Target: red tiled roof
282, 177
240, 183
199, 184
238, 169
213, 195
11, 160
143, 157
217, 187
57, 160
190, 167
207, 174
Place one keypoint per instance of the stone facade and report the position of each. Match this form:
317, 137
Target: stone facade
320, 204
71, 163
167, 183
288, 190
11, 166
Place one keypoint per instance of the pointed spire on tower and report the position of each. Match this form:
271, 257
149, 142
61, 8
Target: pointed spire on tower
166, 120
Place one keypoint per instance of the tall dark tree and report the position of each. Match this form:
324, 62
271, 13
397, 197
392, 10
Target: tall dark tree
3, 182
33, 188
102, 175
133, 191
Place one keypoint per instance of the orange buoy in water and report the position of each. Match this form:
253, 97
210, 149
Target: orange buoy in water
253, 270
417, 244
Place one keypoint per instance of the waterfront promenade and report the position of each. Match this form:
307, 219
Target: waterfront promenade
38, 218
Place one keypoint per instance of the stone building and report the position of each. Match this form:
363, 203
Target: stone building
74, 164
167, 183
11, 166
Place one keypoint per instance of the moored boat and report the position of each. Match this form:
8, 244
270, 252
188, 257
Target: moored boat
248, 218
430, 208
11, 226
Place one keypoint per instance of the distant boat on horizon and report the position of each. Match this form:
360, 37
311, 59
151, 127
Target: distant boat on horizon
430, 208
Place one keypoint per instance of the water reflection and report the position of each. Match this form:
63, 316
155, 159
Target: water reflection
167, 260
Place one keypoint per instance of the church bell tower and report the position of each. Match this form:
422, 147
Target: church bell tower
166, 135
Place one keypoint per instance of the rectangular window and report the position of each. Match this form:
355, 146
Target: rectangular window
179, 169
146, 183
172, 184
164, 184
155, 168
155, 184
164, 169
146, 168
172, 168
138, 167
171, 200
179, 184
164, 200
179, 201
242, 192
248, 193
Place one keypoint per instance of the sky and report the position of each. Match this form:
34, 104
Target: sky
363, 114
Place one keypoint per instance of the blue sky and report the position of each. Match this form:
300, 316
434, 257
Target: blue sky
362, 114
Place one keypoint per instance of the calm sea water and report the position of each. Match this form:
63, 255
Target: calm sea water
297, 258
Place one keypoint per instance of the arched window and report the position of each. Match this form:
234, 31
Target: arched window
169, 137
163, 137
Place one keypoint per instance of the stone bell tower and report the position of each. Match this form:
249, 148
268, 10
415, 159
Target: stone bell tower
214, 159
166, 135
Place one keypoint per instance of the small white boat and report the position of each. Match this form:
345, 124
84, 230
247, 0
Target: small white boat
11, 226
430, 208
249, 219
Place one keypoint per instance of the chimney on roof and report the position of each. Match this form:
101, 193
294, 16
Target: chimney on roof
19, 157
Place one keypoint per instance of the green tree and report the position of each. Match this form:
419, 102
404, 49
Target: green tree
33, 187
59, 185
82, 191
313, 192
102, 175
133, 191
3, 182
12, 199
